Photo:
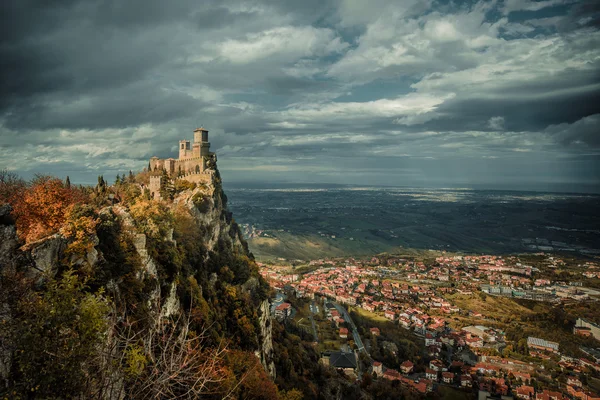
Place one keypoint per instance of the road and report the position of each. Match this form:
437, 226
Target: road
313, 310
346, 316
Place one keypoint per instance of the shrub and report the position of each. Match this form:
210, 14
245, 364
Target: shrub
80, 227
201, 201
152, 218
182, 184
58, 337
41, 210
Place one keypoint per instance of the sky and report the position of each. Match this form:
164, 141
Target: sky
497, 94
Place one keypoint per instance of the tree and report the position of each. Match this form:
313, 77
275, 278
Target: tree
11, 186
58, 334
68, 182
40, 211
170, 361
101, 186
118, 180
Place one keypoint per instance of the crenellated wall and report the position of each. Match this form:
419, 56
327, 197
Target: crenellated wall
191, 165
202, 178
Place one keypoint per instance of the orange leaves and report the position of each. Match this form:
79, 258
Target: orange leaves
252, 380
40, 211
79, 226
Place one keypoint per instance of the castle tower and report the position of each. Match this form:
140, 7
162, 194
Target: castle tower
201, 144
200, 135
184, 149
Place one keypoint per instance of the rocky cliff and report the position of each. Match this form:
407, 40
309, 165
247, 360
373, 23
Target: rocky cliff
183, 259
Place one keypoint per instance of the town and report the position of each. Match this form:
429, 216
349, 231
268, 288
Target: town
475, 320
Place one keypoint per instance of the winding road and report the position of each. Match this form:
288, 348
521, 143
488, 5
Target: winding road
346, 316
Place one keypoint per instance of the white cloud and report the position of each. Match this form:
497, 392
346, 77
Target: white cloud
408, 105
394, 44
496, 123
285, 43
531, 5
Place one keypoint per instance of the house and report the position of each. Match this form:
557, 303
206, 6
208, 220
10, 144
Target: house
420, 386
548, 395
524, 392
466, 381
580, 394
500, 386
523, 376
406, 367
344, 333
405, 322
377, 368
447, 377
375, 331
428, 384
474, 342
429, 340
573, 381
486, 369
436, 365
283, 310
582, 331
390, 315
541, 344
392, 375
340, 360
431, 374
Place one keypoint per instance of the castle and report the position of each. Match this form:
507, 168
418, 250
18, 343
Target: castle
196, 163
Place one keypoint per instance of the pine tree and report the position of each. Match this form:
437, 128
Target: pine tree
118, 180
101, 184
68, 182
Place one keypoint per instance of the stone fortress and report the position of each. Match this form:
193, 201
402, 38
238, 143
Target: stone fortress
196, 163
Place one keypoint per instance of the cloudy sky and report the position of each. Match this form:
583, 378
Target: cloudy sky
499, 94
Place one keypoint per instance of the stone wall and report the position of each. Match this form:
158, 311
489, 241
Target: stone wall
187, 165
154, 186
203, 178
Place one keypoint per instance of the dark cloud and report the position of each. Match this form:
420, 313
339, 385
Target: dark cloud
456, 92
519, 113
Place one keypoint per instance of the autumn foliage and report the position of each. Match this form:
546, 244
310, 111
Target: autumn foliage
42, 208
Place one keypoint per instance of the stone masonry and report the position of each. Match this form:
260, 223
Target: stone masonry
196, 163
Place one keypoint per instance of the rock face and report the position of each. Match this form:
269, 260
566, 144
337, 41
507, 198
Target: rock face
220, 233
148, 265
9, 243
46, 253
266, 338
209, 207
9, 258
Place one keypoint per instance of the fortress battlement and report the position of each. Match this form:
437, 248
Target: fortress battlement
196, 163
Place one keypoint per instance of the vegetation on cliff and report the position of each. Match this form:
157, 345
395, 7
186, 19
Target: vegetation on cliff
105, 293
